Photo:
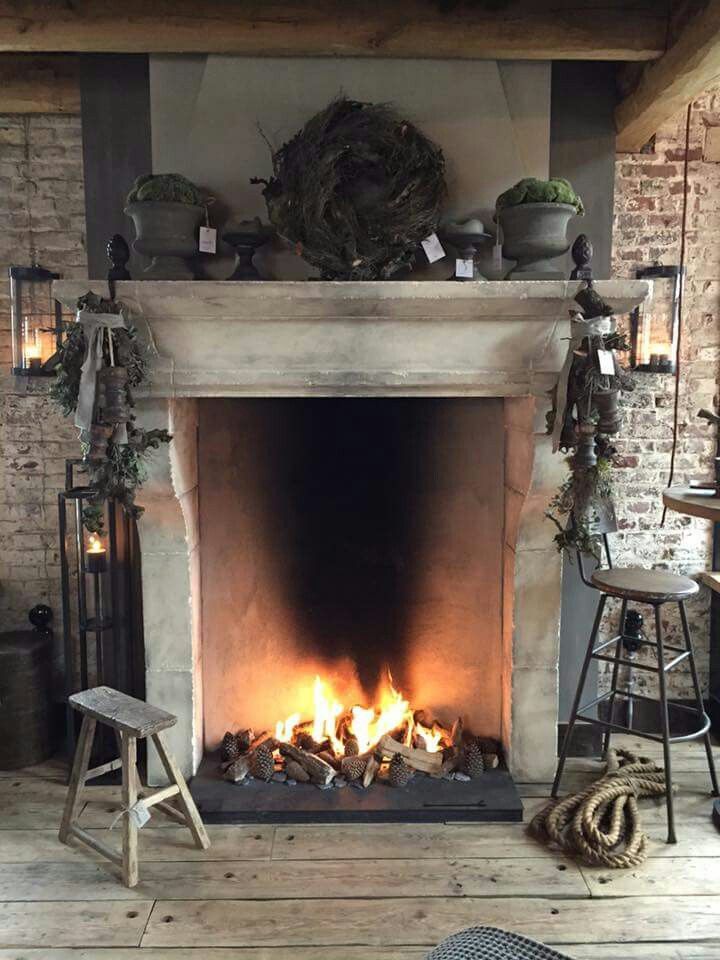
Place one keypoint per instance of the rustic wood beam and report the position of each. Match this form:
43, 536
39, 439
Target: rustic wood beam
664, 88
519, 29
31, 84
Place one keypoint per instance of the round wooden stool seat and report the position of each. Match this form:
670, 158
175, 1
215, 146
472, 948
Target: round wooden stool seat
645, 586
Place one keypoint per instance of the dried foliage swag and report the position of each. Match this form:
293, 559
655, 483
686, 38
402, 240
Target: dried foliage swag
590, 416
115, 450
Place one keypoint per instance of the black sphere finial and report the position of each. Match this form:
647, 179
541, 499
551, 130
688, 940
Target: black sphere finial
41, 616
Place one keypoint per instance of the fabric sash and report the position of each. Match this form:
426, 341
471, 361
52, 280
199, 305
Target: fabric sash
94, 326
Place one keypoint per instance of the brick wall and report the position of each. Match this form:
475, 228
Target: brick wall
648, 211
43, 213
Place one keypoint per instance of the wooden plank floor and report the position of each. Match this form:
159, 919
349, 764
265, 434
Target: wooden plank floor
372, 892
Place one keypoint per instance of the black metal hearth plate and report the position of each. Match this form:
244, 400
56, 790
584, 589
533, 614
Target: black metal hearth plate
492, 797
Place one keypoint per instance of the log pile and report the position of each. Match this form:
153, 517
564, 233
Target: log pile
395, 760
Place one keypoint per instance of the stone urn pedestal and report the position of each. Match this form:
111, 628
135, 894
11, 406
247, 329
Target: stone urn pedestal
168, 233
535, 234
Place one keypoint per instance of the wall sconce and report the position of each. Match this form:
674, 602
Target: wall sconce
36, 321
654, 325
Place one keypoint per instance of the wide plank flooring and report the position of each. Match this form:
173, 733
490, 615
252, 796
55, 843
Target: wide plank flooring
366, 892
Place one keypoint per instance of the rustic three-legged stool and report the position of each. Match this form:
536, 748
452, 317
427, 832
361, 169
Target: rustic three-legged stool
132, 720
655, 588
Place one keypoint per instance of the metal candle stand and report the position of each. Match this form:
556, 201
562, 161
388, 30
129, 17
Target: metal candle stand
113, 625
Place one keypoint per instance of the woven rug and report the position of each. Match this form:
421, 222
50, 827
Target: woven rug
489, 943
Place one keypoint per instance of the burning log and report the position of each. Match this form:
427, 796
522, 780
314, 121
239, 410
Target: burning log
330, 758
238, 770
296, 772
452, 755
263, 738
371, 768
418, 759
319, 770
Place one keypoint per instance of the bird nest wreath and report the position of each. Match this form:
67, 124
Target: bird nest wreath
356, 191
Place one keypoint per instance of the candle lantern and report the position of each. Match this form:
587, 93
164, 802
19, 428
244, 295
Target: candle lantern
101, 598
35, 321
654, 325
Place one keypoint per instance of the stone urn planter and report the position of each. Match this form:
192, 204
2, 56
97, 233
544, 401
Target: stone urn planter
535, 234
168, 232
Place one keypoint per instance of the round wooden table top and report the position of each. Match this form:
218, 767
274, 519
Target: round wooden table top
694, 503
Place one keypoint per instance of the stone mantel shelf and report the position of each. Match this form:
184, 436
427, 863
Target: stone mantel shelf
322, 338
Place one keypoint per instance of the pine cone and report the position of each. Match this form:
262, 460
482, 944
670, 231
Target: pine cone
229, 748
399, 772
352, 768
352, 747
244, 739
473, 764
262, 765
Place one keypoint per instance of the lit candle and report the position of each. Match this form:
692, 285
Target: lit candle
33, 351
95, 556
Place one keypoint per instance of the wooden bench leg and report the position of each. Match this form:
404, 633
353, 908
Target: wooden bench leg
78, 775
128, 746
192, 817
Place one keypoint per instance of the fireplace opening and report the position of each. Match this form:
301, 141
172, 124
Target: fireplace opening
353, 568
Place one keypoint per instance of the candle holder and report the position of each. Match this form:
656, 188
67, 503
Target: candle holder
101, 598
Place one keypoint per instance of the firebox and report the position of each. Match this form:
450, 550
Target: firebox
352, 580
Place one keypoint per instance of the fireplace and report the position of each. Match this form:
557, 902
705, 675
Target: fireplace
358, 480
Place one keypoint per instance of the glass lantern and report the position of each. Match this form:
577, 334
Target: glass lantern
654, 325
36, 321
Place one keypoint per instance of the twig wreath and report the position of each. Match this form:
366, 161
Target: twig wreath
356, 190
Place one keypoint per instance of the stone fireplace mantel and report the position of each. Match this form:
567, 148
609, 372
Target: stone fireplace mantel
313, 338
405, 338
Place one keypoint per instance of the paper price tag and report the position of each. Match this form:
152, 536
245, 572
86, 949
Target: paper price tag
497, 257
208, 239
465, 269
433, 248
139, 814
606, 359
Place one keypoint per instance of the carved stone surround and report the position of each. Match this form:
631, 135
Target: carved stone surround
484, 339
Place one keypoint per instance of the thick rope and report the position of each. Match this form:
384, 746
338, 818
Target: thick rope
601, 824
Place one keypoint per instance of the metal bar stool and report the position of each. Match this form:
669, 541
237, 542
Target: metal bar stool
655, 588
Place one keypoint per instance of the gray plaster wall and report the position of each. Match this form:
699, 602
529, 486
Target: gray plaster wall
490, 118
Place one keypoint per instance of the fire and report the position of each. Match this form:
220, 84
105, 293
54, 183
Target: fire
95, 544
334, 722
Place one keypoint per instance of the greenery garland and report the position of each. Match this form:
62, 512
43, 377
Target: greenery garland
119, 474
575, 507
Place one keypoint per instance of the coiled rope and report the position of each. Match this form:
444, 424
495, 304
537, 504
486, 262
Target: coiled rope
601, 824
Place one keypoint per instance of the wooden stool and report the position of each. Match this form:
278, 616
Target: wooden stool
131, 720
655, 588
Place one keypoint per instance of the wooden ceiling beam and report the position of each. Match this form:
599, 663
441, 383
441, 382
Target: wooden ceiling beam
517, 29
666, 87
39, 84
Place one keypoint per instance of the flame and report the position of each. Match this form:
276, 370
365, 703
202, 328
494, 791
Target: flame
332, 721
284, 731
95, 544
327, 711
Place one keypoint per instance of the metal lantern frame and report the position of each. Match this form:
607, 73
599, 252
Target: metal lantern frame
19, 278
101, 602
677, 275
